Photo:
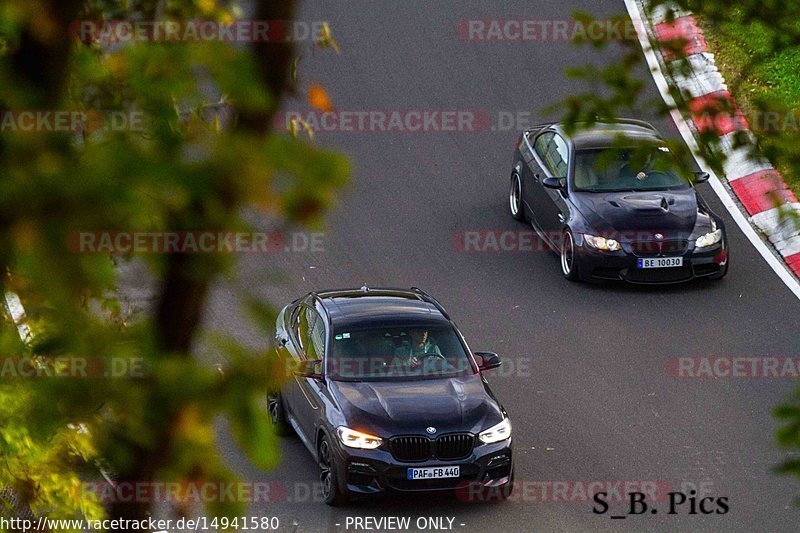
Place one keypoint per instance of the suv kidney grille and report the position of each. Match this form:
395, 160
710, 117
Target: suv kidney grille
455, 446
411, 448
418, 448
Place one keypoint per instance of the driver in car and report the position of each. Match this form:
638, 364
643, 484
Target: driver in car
627, 170
420, 348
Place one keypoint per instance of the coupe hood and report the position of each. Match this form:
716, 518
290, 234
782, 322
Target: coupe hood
409, 407
670, 212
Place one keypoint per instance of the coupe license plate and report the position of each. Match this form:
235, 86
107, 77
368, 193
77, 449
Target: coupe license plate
437, 472
661, 262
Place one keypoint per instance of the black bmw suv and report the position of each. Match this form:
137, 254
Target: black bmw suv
386, 396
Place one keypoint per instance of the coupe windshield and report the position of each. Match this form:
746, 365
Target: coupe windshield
397, 353
642, 168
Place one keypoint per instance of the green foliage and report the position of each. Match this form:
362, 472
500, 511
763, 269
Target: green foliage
764, 78
183, 170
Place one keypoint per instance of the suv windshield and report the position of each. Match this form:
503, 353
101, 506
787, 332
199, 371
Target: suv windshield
398, 353
641, 168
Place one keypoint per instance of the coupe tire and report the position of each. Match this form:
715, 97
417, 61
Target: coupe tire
569, 259
277, 415
515, 198
329, 476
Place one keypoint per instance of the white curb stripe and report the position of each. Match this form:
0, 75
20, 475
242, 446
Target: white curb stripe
789, 247
739, 164
776, 224
706, 78
686, 132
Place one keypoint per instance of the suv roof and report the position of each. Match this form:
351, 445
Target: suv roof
372, 307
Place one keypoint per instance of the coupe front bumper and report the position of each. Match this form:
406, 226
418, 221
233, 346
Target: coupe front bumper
623, 265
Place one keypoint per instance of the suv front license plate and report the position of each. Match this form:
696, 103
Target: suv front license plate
437, 472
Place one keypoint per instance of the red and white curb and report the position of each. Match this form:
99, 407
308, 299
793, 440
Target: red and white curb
762, 197
16, 312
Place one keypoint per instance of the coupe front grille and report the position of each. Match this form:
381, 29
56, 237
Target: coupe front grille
659, 275
417, 448
656, 248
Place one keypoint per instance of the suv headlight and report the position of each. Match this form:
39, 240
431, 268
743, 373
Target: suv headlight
501, 431
601, 243
357, 439
709, 239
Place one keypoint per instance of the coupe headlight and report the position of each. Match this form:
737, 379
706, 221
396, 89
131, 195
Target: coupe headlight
356, 439
709, 239
501, 431
601, 243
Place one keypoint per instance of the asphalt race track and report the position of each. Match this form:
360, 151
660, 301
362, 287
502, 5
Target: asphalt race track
586, 381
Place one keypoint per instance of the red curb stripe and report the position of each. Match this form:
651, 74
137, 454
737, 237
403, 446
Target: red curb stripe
717, 112
762, 191
684, 29
794, 263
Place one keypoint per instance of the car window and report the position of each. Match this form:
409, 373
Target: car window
641, 168
552, 150
397, 353
301, 327
560, 156
315, 347
540, 145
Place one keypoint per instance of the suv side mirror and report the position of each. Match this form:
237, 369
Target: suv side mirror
488, 360
701, 177
559, 184
310, 369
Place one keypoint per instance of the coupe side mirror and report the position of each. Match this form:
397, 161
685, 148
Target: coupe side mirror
310, 369
488, 360
555, 183
701, 177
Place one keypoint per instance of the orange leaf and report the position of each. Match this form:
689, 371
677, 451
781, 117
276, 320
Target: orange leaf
318, 98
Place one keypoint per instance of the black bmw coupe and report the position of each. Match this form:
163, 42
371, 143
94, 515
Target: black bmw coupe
387, 396
612, 202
